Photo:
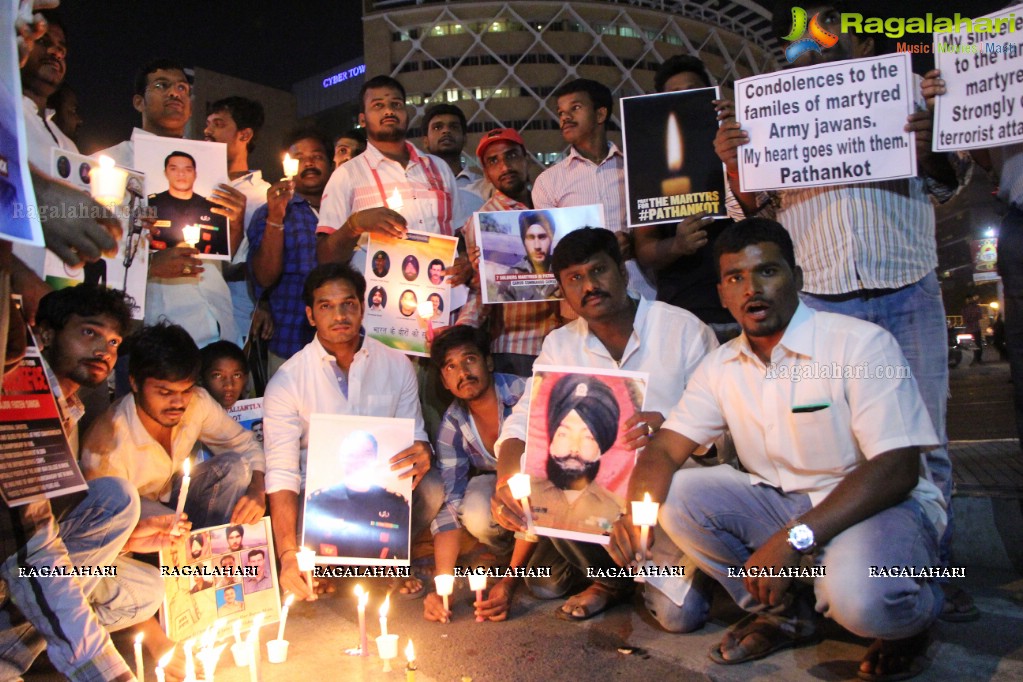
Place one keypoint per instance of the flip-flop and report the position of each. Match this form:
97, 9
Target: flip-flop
397, 584
959, 606
776, 638
917, 659
611, 596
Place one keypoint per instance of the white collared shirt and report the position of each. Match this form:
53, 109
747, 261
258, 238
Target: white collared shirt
381, 383
796, 425
577, 181
117, 444
43, 136
666, 342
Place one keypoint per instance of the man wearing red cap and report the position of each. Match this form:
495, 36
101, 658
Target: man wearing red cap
517, 331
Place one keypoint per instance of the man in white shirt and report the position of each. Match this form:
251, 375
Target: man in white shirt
832, 444
614, 331
341, 371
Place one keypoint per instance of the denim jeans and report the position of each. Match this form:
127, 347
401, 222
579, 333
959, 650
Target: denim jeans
476, 517
718, 518
215, 488
915, 316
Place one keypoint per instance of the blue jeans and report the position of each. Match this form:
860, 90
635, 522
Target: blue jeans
216, 486
718, 518
476, 518
915, 316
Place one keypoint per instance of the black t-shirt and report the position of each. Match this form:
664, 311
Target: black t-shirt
691, 281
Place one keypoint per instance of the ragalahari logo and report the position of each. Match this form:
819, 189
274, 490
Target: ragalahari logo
807, 38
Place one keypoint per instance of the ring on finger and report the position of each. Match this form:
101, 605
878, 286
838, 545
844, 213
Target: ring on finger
186, 270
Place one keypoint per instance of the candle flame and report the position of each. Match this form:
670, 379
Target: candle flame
410, 652
362, 594
425, 309
394, 201
385, 606
190, 233
106, 162
166, 658
289, 601
138, 638
674, 144
186, 467
290, 166
646, 498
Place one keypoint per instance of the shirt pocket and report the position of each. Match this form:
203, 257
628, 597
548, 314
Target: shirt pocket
815, 448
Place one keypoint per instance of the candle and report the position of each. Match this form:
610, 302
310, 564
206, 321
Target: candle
253, 641
140, 671
363, 597
190, 234
394, 201
675, 184
644, 515
410, 669
290, 166
520, 490
185, 481
163, 663
425, 310
107, 183
387, 646
284, 616
383, 615
445, 586
306, 563
189, 661
237, 627
209, 657
478, 583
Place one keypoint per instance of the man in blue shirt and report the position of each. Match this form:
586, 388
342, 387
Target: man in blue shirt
282, 242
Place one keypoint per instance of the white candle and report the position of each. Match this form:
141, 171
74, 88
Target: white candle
209, 658
290, 166
383, 615
306, 563
189, 661
478, 583
363, 598
237, 627
140, 671
284, 615
644, 515
190, 234
107, 183
163, 663
387, 645
445, 586
519, 485
185, 481
253, 641
394, 201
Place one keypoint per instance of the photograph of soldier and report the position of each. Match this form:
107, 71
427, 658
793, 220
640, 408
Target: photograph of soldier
410, 267
377, 298
230, 600
436, 271
180, 205
358, 518
381, 264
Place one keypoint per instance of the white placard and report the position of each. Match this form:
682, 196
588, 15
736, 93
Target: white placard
828, 124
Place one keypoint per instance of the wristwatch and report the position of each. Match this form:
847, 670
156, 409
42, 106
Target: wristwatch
801, 538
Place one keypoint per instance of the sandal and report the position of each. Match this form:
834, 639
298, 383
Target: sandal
595, 599
769, 634
409, 588
897, 659
959, 606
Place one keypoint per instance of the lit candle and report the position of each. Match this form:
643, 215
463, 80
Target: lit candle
644, 515
675, 184
425, 310
478, 583
189, 661
410, 669
107, 183
520, 490
306, 563
209, 658
185, 481
284, 615
140, 671
290, 166
383, 615
253, 642
394, 201
163, 663
190, 234
363, 598
445, 586
387, 646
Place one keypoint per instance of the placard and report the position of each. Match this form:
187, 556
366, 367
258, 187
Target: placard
574, 457
222, 572
983, 73
249, 413
127, 270
516, 248
357, 511
404, 281
36, 461
671, 168
828, 124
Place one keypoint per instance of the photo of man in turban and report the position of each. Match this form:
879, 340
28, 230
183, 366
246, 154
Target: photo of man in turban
536, 229
582, 425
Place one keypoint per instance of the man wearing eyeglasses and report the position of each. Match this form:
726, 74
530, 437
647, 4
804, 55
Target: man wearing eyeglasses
517, 331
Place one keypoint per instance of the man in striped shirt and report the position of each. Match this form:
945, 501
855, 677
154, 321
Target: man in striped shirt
868, 250
517, 330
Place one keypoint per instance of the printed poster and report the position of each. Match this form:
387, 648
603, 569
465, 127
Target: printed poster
516, 249
180, 175
671, 168
407, 298
227, 572
983, 73
249, 413
36, 461
579, 471
20, 221
357, 511
126, 271
827, 124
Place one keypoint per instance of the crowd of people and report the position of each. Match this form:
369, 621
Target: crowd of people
838, 472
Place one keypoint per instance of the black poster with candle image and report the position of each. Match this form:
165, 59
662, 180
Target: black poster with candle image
671, 169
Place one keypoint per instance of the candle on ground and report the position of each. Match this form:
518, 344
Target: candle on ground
478, 583
363, 598
383, 615
410, 668
306, 563
445, 586
284, 615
